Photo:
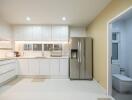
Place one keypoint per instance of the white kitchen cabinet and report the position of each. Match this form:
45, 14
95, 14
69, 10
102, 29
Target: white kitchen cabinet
54, 66
28, 32
37, 33
7, 70
46, 33
44, 66
49, 66
18, 33
23, 68
23, 33
60, 33
64, 66
64, 36
41, 33
33, 66
5, 31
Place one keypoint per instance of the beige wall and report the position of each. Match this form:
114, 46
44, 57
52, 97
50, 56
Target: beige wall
98, 30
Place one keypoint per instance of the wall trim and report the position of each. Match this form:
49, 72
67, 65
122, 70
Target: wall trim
105, 91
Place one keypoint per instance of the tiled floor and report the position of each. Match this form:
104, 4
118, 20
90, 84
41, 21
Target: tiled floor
121, 96
51, 89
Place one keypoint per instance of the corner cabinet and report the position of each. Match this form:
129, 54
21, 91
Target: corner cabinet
41, 33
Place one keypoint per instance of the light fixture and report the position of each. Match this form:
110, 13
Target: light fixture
64, 18
28, 18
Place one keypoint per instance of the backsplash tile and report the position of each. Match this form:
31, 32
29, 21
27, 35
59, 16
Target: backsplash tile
31, 53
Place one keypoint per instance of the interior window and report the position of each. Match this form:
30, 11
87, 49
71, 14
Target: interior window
114, 51
114, 36
115, 47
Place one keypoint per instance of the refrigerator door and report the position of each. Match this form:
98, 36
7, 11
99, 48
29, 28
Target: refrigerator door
74, 59
82, 58
74, 69
88, 58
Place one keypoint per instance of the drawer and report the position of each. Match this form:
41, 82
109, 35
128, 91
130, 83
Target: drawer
7, 62
7, 67
7, 76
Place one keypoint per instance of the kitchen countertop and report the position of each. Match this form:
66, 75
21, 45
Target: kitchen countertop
11, 58
42, 57
3, 59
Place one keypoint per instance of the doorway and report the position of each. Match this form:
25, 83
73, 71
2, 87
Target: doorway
119, 66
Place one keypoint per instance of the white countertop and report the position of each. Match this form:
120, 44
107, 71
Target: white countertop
3, 59
10, 58
62, 57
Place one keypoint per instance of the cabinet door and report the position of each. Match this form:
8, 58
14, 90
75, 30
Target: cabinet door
18, 33
27, 33
59, 33
54, 67
14, 68
23, 33
37, 33
33, 66
56, 30
44, 65
23, 68
46, 33
64, 67
64, 35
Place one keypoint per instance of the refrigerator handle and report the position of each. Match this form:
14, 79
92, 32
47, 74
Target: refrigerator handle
78, 52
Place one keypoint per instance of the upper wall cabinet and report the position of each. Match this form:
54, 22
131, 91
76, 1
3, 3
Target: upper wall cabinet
41, 33
23, 33
37, 33
5, 31
60, 33
28, 33
46, 33
18, 33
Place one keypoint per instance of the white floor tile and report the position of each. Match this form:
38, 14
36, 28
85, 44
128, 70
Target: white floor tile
51, 89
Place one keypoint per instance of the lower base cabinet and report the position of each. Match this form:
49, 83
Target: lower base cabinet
44, 67
7, 70
64, 67
54, 67
23, 68
33, 66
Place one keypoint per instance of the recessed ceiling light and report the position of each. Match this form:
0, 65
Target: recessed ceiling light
28, 18
64, 18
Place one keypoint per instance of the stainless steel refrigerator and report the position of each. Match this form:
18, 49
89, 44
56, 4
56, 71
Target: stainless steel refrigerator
81, 59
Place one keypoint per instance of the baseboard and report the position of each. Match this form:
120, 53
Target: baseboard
105, 91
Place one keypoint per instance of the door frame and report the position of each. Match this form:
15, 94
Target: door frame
109, 49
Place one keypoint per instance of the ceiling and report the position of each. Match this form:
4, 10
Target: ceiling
77, 12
